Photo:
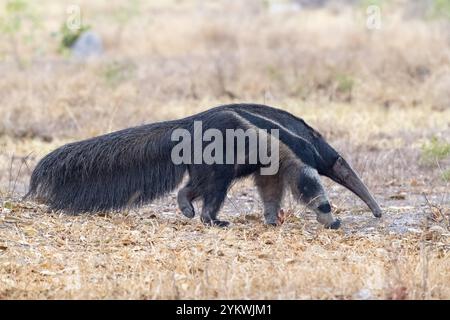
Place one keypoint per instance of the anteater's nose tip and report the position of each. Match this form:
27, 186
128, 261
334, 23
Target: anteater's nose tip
377, 213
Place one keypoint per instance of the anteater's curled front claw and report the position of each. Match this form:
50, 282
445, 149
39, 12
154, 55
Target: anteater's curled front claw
335, 225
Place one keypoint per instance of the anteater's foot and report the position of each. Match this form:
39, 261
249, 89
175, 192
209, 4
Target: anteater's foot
188, 211
216, 223
335, 225
272, 220
221, 223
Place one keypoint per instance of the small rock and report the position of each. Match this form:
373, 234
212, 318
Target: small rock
88, 45
438, 229
382, 252
47, 273
398, 196
435, 232
414, 230
363, 294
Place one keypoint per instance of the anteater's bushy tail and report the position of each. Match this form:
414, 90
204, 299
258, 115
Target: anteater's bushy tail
124, 168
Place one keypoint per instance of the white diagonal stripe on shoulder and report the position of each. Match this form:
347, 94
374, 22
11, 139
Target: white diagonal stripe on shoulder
277, 124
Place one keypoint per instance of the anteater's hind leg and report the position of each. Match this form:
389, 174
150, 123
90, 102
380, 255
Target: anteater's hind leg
212, 202
185, 197
210, 183
270, 189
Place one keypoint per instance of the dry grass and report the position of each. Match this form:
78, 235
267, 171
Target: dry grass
154, 254
376, 95
193, 54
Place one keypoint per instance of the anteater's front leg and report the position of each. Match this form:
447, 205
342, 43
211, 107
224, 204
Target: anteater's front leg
270, 188
309, 189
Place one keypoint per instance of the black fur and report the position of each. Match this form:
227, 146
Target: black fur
123, 168
132, 167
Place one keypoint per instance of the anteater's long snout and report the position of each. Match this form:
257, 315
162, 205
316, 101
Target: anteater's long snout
343, 174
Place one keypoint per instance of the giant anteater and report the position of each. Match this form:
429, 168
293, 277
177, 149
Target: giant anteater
133, 166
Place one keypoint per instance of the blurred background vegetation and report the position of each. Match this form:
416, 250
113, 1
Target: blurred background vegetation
164, 59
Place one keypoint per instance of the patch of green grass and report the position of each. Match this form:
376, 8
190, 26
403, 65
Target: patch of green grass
15, 11
8, 205
117, 72
18, 21
274, 72
446, 175
345, 83
367, 3
439, 9
69, 36
434, 150
125, 13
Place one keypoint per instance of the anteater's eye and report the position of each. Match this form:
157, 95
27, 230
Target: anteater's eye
308, 187
324, 207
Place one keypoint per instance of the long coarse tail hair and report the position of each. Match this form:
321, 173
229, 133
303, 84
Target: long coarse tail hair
126, 168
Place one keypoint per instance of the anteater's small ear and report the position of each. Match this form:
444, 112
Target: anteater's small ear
343, 174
